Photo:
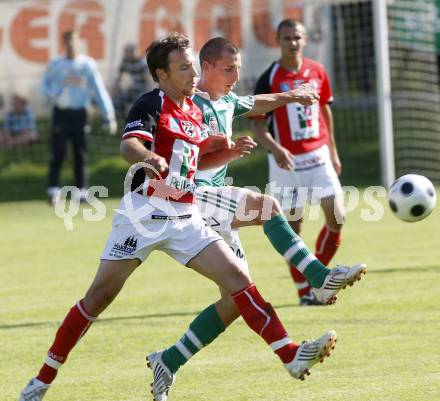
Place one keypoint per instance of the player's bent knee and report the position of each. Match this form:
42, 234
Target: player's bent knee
270, 208
98, 299
239, 278
276, 207
250, 207
296, 225
263, 207
227, 302
227, 309
336, 220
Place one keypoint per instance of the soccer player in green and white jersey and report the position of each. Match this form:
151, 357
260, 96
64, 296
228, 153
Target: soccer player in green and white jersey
225, 208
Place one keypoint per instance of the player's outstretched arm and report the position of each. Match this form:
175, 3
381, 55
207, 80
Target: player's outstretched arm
242, 147
264, 103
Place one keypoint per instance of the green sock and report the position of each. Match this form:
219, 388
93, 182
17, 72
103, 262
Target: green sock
292, 248
204, 329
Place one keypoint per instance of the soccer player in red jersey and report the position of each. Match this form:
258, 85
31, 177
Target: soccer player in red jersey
303, 159
164, 139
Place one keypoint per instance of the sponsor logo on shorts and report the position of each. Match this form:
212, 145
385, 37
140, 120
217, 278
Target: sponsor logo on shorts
127, 248
169, 218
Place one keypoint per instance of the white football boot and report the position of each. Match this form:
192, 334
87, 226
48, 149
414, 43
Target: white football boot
309, 353
338, 279
309, 299
34, 391
163, 379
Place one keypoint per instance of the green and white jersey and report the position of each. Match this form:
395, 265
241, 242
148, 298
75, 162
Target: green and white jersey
218, 116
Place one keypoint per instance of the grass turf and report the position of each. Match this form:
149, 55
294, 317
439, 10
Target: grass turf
388, 324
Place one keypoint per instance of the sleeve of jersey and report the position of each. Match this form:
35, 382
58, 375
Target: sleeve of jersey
262, 85
326, 95
139, 124
243, 104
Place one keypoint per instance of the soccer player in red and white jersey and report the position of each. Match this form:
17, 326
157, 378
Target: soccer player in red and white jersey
303, 159
164, 137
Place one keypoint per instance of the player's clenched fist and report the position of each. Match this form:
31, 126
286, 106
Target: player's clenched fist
305, 95
156, 165
244, 145
283, 158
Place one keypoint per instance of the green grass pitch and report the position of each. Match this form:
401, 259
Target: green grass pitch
388, 325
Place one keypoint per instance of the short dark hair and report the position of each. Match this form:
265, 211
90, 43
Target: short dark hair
212, 50
157, 54
67, 35
289, 23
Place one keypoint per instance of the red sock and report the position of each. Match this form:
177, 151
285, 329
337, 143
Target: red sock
302, 285
75, 325
261, 318
327, 244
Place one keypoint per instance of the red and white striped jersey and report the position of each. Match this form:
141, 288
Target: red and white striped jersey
298, 128
172, 133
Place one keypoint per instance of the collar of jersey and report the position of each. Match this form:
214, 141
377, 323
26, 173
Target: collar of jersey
204, 95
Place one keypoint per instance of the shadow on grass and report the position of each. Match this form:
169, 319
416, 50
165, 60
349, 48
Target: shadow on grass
119, 318
400, 270
412, 269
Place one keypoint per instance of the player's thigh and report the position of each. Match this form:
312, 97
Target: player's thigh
218, 263
112, 274
195, 245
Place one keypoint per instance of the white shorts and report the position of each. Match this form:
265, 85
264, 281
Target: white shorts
218, 206
313, 178
143, 224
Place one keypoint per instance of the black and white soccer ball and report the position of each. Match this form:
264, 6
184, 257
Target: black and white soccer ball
412, 197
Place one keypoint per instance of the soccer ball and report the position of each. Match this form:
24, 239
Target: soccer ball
412, 197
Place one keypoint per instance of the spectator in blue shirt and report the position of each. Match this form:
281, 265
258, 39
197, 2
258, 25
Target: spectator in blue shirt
71, 83
19, 127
